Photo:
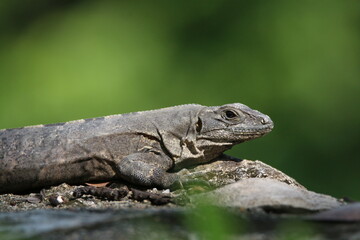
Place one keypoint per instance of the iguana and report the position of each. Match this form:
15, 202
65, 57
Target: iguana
144, 148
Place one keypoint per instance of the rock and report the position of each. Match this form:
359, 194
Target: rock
269, 194
227, 170
61, 197
112, 224
243, 184
171, 223
347, 213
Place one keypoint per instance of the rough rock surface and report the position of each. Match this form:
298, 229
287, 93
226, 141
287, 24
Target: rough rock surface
347, 213
44, 200
263, 191
227, 170
269, 194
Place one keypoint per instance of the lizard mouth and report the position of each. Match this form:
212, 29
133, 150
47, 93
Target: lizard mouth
240, 135
252, 131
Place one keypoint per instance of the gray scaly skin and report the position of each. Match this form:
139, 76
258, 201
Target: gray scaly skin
143, 148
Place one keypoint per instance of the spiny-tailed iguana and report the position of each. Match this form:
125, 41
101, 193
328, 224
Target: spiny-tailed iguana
144, 148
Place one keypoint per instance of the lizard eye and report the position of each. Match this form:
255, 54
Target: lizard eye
230, 114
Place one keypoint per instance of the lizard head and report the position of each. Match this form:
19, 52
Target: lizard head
232, 123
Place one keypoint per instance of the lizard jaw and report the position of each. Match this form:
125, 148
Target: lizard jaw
253, 131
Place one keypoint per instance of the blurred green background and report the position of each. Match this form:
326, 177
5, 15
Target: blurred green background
297, 61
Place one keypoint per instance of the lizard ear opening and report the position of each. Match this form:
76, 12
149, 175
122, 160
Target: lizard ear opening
198, 125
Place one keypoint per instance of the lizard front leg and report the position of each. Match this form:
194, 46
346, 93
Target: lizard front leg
148, 168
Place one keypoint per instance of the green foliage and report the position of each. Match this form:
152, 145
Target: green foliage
297, 61
209, 222
212, 223
295, 230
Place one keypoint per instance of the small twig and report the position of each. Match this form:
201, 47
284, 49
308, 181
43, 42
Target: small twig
117, 194
102, 192
154, 198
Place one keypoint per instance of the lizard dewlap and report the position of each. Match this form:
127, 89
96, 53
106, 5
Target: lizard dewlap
143, 148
